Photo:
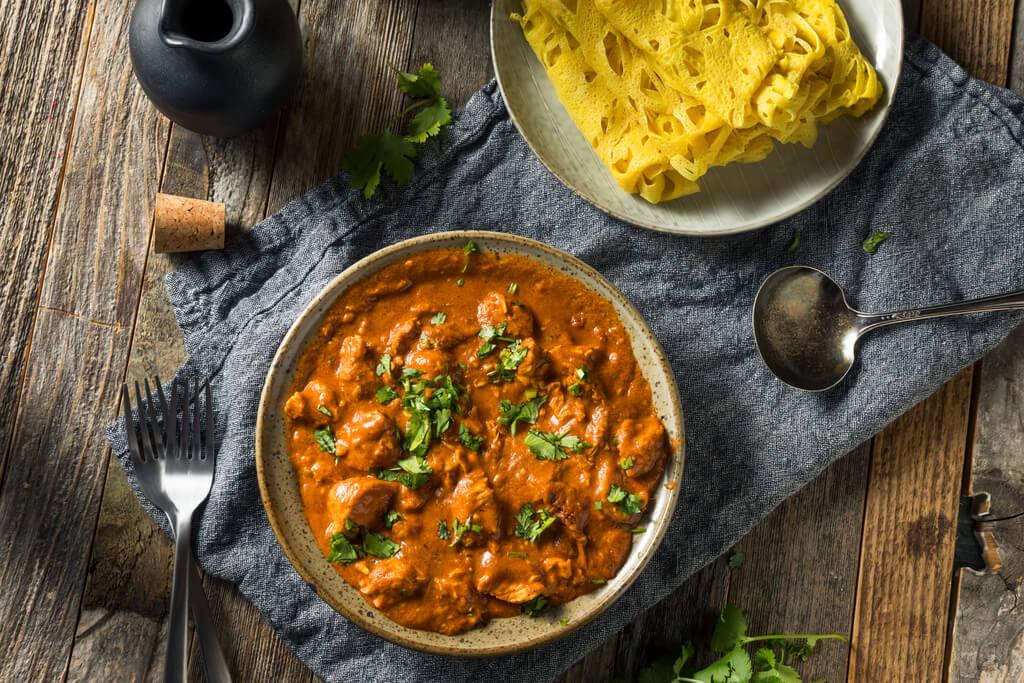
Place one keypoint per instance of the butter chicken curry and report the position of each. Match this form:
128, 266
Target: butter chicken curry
473, 438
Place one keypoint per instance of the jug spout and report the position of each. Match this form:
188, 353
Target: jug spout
208, 26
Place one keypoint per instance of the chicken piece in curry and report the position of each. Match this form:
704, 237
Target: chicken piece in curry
473, 438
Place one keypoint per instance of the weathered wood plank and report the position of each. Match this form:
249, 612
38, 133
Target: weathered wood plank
346, 89
41, 56
976, 33
454, 36
50, 495
905, 577
800, 573
117, 153
989, 628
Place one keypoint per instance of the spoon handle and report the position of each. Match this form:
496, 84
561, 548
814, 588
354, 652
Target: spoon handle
1001, 302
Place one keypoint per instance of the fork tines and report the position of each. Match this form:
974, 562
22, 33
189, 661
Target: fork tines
156, 433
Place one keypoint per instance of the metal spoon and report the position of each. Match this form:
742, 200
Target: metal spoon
806, 332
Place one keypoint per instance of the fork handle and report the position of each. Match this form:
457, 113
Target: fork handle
176, 666
214, 663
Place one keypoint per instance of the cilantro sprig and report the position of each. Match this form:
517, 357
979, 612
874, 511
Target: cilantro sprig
530, 523
392, 154
548, 446
629, 503
527, 411
459, 529
729, 640
355, 542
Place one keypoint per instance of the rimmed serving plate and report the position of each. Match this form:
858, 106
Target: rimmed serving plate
280, 490
734, 198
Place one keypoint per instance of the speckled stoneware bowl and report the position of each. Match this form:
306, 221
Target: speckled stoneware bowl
280, 490
733, 198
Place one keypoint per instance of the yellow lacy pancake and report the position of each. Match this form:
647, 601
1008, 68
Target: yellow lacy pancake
665, 89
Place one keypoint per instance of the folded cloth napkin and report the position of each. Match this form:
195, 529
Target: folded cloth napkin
944, 178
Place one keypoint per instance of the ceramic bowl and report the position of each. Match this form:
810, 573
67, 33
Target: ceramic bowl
733, 198
283, 504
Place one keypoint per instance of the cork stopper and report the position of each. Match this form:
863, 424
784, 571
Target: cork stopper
185, 224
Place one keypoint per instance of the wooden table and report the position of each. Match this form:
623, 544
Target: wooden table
866, 550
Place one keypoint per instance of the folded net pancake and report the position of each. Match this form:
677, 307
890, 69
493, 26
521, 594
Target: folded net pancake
665, 89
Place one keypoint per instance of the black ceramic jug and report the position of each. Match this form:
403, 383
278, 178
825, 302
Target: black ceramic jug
218, 67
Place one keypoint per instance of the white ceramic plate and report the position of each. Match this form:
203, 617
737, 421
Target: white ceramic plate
733, 198
280, 489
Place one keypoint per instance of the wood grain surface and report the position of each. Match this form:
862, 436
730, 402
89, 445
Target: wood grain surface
864, 550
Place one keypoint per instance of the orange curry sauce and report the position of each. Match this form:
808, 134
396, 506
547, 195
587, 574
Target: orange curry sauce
483, 523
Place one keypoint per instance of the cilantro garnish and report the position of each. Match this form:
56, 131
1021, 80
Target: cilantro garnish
442, 530
470, 248
564, 621
583, 373
490, 335
793, 243
392, 518
598, 581
326, 411
438, 318
412, 472
468, 440
508, 360
576, 389
392, 153
626, 463
384, 365
548, 446
512, 553
870, 245
513, 288
629, 503
535, 607
729, 640
342, 551
386, 395
460, 282
325, 439
460, 528
598, 505
531, 524
378, 546
736, 558
527, 411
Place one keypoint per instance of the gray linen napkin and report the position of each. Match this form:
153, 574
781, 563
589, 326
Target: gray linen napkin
944, 178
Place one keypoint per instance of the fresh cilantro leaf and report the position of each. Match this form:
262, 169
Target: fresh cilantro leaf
386, 395
411, 373
438, 318
629, 503
736, 558
527, 411
470, 248
460, 528
378, 546
508, 360
531, 524
460, 282
598, 505
424, 83
342, 551
385, 475
442, 421
374, 152
392, 517
485, 349
734, 667
512, 553
326, 411
793, 243
870, 245
564, 621
730, 628
468, 440
513, 288
417, 433
686, 654
576, 389
626, 463
547, 446
442, 530
535, 607
428, 121
325, 439
384, 365
583, 373
598, 581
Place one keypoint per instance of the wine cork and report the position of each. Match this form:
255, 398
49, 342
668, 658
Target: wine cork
185, 224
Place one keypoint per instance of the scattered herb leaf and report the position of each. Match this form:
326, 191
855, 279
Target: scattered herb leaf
470, 248
793, 243
438, 318
325, 439
629, 503
870, 245
530, 524
467, 439
736, 558
384, 365
535, 607
386, 395
442, 530
527, 411
392, 518
326, 411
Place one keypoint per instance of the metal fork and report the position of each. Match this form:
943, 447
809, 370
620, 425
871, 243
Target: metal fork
175, 472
